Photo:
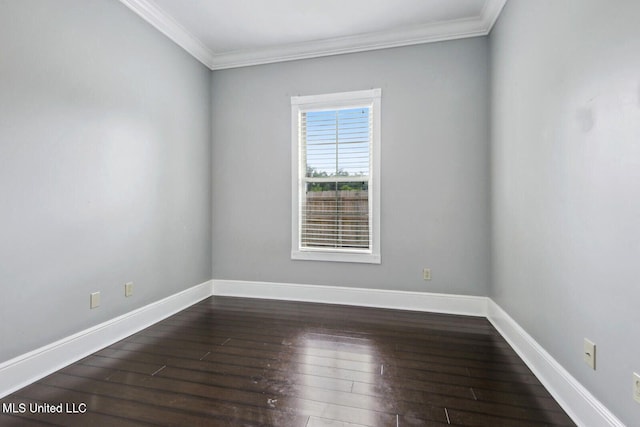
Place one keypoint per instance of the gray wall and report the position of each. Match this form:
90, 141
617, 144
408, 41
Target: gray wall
112, 140
566, 184
104, 167
435, 167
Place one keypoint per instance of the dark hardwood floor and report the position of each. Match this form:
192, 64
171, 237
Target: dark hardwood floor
236, 362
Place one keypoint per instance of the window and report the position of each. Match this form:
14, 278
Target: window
336, 177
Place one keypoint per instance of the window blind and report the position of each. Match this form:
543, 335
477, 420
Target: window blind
335, 208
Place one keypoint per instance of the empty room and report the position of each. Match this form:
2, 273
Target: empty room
320, 213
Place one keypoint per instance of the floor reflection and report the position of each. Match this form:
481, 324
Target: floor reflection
331, 360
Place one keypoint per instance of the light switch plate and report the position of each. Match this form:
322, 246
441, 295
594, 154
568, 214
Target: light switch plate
426, 274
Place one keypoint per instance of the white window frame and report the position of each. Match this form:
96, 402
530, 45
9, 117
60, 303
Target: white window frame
300, 104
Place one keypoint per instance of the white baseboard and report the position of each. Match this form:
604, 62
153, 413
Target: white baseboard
401, 300
27, 368
577, 401
583, 408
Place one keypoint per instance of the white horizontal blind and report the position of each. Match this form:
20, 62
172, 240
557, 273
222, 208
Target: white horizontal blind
335, 208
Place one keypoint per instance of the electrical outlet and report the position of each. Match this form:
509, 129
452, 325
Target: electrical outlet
636, 387
94, 300
128, 289
426, 274
589, 354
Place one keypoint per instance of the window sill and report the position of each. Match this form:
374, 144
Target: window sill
336, 257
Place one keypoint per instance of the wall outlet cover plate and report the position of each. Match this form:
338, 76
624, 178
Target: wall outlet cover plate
94, 300
589, 353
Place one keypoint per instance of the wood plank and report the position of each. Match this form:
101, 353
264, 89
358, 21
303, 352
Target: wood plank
237, 361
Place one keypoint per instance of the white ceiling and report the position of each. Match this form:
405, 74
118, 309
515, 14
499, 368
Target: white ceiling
235, 33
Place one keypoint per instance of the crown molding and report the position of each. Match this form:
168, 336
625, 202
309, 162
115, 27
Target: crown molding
170, 28
490, 13
428, 33
373, 41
